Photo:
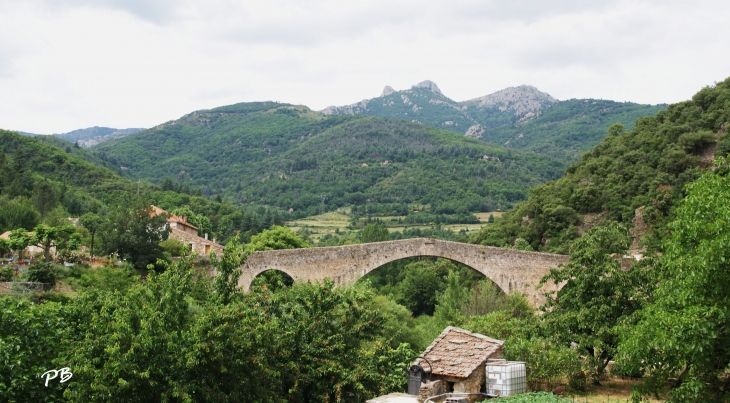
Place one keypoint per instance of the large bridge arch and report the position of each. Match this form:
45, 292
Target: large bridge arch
509, 269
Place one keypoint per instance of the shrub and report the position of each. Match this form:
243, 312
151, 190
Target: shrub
42, 272
174, 247
7, 273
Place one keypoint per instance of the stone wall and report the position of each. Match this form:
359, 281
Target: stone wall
509, 269
199, 245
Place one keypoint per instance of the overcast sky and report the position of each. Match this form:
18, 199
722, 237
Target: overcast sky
69, 64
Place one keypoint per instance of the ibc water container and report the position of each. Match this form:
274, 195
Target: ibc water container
506, 378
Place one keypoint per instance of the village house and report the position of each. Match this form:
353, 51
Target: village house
187, 233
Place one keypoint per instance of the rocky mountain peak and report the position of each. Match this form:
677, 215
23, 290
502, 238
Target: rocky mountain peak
522, 100
387, 91
429, 85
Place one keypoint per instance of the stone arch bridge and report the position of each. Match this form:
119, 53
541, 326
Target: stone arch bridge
509, 269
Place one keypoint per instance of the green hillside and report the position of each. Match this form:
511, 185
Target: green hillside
635, 177
521, 118
567, 129
45, 178
290, 157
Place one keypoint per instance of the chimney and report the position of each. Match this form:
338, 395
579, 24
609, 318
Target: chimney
206, 236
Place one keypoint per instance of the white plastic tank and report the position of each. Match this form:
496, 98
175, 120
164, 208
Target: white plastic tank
506, 378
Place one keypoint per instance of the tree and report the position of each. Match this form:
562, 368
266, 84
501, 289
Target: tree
683, 336
91, 222
420, 288
4, 247
42, 272
31, 337
19, 240
134, 232
597, 295
449, 308
18, 213
47, 237
228, 268
374, 233
276, 238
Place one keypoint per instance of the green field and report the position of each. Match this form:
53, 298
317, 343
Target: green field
340, 222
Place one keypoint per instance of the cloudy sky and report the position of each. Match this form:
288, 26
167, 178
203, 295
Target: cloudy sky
69, 64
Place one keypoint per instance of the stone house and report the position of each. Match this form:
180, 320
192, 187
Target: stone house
458, 358
187, 233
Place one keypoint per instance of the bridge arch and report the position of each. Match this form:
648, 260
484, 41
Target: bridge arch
509, 269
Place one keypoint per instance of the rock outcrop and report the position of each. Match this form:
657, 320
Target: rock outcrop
522, 101
429, 85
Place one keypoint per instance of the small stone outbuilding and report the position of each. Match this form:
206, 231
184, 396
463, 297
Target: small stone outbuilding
458, 358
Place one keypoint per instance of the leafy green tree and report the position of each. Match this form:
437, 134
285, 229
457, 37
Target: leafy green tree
134, 232
521, 244
42, 272
17, 213
228, 270
19, 240
44, 197
276, 238
374, 233
47, 237
616, 129
92, 222
449, 308
682, 337
4, 247
420, 289
30, 339
597, 295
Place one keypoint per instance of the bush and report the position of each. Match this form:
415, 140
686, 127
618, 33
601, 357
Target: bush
109, 278
174, 247
548, 365
42, 273
7, 273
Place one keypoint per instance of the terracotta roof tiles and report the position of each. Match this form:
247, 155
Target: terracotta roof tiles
458, 352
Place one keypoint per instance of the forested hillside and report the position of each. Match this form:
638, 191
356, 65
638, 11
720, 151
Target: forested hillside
45, 179
521, 118
291, 158
635, 177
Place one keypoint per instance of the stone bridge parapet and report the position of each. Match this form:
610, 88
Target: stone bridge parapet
510, 269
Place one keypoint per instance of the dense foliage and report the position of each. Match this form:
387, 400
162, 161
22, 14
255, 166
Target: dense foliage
645, 168
45, 180
682, 337
160, 341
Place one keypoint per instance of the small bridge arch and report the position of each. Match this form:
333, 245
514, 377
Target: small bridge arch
509, 269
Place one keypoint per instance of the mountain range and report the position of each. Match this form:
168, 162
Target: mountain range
91, 136
522, 117
296, 159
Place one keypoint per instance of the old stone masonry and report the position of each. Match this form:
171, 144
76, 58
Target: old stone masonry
509, 269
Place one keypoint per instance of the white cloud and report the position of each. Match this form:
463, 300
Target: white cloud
67, 64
